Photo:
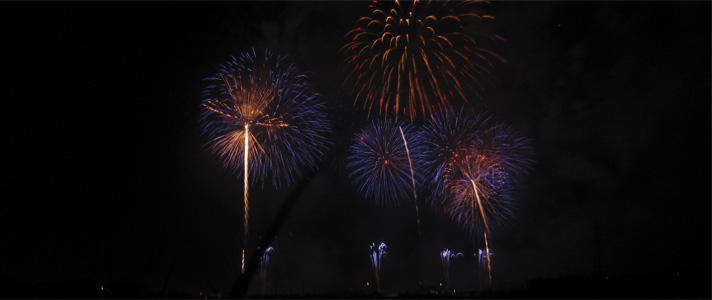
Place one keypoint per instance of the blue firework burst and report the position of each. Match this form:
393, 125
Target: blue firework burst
261, 99
380, 162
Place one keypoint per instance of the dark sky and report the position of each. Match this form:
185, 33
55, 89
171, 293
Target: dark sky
106, 177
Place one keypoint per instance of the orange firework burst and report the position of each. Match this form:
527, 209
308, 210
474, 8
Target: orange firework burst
409, 57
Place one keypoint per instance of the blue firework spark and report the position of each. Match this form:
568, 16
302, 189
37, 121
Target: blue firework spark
379, 161
262, 99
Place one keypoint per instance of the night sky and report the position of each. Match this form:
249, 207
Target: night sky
107, 180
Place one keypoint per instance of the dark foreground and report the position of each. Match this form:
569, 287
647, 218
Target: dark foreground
663, 285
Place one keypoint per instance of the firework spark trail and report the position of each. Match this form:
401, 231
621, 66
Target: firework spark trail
246, 189
485, 230
412, 179
242, 258
377, 253
484, 259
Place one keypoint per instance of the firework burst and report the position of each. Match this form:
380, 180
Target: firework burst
263, 120
408, 57
445, 133
479, 179
383, 161
259, 101
474, 163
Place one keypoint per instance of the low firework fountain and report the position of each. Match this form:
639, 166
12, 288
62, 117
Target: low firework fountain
377, 253
446, 257
264, 267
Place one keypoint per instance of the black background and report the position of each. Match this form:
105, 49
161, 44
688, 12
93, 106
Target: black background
106, 179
